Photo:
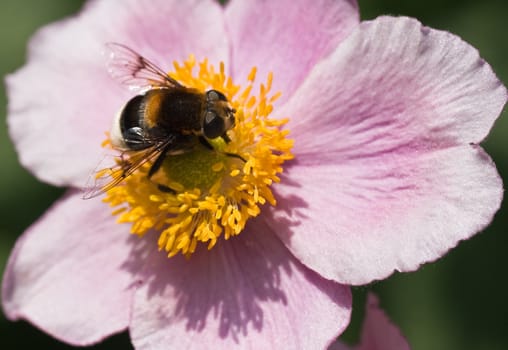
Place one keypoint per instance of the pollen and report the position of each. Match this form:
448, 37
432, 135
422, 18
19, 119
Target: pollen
209, 194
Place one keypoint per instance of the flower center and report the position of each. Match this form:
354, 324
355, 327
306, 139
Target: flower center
214, 190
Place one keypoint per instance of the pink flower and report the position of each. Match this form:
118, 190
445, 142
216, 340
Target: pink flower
386, 118
378, 332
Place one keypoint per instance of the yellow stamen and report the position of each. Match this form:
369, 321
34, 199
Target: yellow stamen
214, 194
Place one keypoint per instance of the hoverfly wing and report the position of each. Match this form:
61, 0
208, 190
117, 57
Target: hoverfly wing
105, 177
138, 73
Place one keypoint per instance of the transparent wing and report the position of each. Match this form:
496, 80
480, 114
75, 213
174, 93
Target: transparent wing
107, 177
130, 68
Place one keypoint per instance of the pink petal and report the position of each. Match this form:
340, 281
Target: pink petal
340, 346
63, 101
384, 177
68, 275
395, 83
355, 223
378, 332
248, 292
286, 37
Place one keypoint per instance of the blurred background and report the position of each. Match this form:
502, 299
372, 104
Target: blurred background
459, 302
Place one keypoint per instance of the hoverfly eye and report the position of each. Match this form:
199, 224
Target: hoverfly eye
214, 95
213, 125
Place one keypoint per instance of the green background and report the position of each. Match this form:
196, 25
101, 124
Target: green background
458, 302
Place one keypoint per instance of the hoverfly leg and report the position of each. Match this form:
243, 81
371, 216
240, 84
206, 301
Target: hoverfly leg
226, 138
234, 155
165, 189
154, 168
205, 143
